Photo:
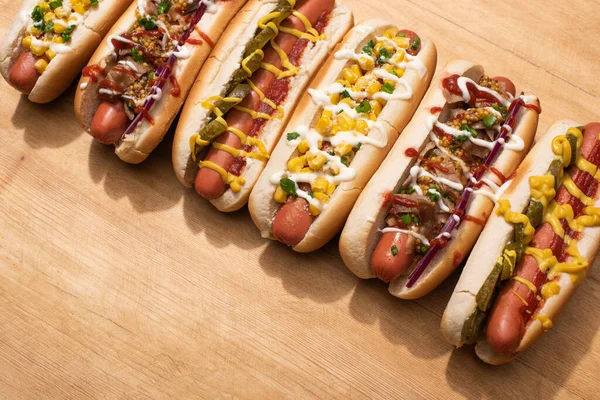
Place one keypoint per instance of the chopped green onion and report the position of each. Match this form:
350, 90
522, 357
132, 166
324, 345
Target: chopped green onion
489, 121
345, 94
416, 42
388, 88
394, 250
406, 219
364, 107
368, 49
467, 128
137, 55
344, 161
501, 110
164, 7
293, 135
147, 23
38, 13
55, 4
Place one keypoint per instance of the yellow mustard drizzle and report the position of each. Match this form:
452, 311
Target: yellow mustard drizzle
550, 289
542, 188
546, 322
516, 218
525, 282
235, 182
312, 35
520, 298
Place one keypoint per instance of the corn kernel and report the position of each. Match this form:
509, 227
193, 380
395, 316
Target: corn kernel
362, 83
390, 33
347, 101
362, 127
61, 12
402, 42
59, 28
320, 144
330, 189
40, 66
356, 69
306, 170
376, 107
45, 5
334, 169
373, 88
342, 149
378, 48
388, 68
349, 76
343, 82
26, 42
38, 50
86, 3
35, 31
316, 161
323, 125
366, 63
79, 9
49, 16
58, 39
399, 72
372, 116
320, 185
398, 57
50, 54
303, 146
280, 195
296, 164
345, 122
334, 130
327, 113
334, 98
314, 210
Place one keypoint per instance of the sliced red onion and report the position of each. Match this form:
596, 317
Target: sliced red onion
459, 210
164, 71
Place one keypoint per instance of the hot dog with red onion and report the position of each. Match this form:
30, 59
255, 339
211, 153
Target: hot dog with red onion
535, 250
245, 94
46, 45
341, 131
138, 79
419, 216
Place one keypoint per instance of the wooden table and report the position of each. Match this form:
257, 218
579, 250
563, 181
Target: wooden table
116, 282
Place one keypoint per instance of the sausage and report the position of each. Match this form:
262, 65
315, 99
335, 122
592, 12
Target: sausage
110, 122
23, 75
385, 264
209, 183
509, 316
292, 221
506, 84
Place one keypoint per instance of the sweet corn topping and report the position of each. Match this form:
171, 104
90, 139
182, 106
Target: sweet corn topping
350, 108
52, 24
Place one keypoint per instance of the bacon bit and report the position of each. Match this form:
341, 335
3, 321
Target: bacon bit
175, 89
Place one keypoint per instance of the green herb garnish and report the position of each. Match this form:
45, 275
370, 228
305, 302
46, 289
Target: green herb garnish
288, 186
394, 250
163, 7
364, 107
489, 121
388, 88
293, 135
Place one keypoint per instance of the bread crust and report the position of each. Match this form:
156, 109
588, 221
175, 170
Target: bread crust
361, 233
213, 78
394, 117
65, 67
137, 146
490, 245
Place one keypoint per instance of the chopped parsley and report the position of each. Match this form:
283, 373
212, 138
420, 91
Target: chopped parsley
288, 186
293, 135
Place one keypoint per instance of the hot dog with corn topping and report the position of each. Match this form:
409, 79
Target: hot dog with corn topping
341, 131
535, 250
51, 40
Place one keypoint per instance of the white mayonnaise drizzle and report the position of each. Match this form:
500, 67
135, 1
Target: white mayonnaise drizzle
422, 238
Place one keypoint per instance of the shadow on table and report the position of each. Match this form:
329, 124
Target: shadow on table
149, 186
57, 117
546, 365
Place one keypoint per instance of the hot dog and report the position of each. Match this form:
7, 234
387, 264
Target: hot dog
423, 210
45, 48
234, 117
544, 241
341, 131
138, 79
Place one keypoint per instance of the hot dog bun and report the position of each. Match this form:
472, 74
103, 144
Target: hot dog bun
491, 244
136, 147
214, 77
361, 233
65, 67
394, 116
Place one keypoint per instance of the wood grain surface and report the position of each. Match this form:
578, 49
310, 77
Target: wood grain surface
117, 283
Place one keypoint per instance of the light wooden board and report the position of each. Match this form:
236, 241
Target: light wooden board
117, 283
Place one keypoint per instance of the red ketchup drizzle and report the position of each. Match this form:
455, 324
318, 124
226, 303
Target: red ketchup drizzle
451, 84
175, 89
410, 152
478, 221
205, 37
277, 92
436, 110
108, 84
92, 72
456, 259
397, 199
